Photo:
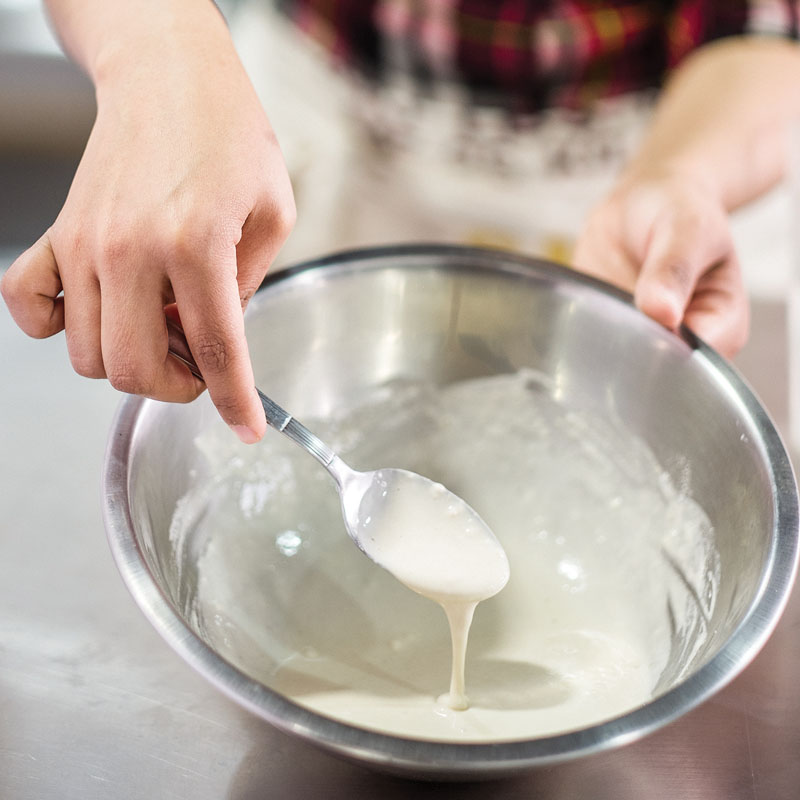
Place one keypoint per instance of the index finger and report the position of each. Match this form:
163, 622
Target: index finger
212, 319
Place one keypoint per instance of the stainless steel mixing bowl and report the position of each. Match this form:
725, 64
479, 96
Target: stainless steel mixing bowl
323, 333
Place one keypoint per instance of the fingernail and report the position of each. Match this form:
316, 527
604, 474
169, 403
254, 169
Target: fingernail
247, 435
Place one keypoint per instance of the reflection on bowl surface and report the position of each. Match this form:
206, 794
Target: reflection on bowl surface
643, 497
614, 571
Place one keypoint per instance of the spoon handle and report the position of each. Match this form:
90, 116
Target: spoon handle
277, 417
284, 422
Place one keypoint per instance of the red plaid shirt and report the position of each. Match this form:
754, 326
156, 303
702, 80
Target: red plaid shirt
528, 55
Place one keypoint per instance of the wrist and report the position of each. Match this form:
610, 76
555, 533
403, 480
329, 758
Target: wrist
141, 40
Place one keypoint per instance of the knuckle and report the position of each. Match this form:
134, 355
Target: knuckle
127, 377
76, 244
113, 250
182, 243
191, 246
111, 256
281, 212
285, 216
88, 365
677, 271
87, 369
212, 353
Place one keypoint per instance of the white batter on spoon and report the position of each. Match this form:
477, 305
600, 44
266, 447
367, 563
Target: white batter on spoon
434, 543
613, 568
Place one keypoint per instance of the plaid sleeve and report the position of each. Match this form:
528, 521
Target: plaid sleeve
528, 55
559, 53
697, 22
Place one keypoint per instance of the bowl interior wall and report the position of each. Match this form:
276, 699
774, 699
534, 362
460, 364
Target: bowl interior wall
320, 339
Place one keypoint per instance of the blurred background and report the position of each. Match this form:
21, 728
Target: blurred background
46, 111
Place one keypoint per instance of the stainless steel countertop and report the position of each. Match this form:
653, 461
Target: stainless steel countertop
93, 704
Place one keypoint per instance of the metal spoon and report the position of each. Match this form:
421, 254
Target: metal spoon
363, 496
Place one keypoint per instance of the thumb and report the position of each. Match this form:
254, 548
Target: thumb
676, 259
31, 289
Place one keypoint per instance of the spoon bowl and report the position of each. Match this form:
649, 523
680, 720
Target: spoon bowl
425, 535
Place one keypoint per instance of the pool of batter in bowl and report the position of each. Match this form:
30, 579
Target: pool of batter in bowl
613, 569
